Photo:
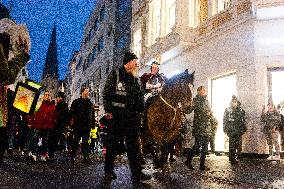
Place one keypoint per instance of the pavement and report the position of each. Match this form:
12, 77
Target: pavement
19, 171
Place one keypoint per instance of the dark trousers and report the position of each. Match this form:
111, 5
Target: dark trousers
79, 133
36, 135
201, 142
234, 146
3, 142
93, 144
55, 136
123, 130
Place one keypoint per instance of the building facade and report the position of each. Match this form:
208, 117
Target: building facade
107, 36
69, 79
234, 47
18, 36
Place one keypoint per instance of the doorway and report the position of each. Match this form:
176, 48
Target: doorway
222, 89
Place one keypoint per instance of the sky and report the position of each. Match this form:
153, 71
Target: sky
69, 17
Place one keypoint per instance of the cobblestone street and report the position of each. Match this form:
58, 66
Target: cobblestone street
19, 172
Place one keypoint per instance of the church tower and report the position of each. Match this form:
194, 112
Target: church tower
50, 78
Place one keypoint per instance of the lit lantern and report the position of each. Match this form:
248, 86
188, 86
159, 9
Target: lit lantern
26, 97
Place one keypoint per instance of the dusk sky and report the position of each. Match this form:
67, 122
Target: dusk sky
69, 16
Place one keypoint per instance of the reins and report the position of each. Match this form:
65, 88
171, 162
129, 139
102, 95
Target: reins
175, 109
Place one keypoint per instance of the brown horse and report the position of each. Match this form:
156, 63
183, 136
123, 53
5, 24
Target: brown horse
164, 115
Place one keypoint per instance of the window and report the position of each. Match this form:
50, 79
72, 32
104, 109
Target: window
91, 33
220, 5
94, 53
155, 20
90, 57
79, 63
194, 12
84, 65
121, 42
109, 31
123, 7
96, 26
101, 44
137, 42
102, 13
170, 15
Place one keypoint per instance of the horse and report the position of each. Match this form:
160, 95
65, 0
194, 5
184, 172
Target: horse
164, 114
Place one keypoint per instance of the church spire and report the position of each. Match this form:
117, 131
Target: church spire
51, 62
50, 78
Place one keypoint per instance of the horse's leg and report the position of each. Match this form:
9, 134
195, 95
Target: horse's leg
156, 154
165, 150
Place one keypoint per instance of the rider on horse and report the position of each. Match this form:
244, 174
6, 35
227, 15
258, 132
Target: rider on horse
153, 82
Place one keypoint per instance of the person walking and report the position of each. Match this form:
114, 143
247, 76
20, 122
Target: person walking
61, 114
201, 128
271, 119
44, 123
83, 115
123, 104
234, 126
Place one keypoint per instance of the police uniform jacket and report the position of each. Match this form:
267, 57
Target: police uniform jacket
234, 121
122, 94
202, 121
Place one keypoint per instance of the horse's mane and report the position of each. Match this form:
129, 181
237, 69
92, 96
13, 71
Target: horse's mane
182, 77
176, 88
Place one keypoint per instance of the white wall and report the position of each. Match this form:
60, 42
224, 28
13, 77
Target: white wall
226, 52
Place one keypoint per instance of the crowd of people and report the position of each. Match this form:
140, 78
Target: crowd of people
55, 126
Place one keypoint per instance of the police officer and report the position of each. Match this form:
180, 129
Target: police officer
234, 127
123, 104
202, 127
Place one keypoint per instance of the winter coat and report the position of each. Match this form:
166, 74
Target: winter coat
271, 121
62, 115
123, 97
234, 121
202, 117
214, 126
82, 113
45, 117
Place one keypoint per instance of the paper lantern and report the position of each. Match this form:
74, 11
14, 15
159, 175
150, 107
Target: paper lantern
26, 97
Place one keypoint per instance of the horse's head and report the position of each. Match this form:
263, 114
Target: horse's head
177, 88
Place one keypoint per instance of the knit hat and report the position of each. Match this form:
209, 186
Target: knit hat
155, 63
234, 98
128, 56
61, 94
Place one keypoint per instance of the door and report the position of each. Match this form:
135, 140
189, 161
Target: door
222, 89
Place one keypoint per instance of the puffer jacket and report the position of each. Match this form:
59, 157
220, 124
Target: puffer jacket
45, 117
